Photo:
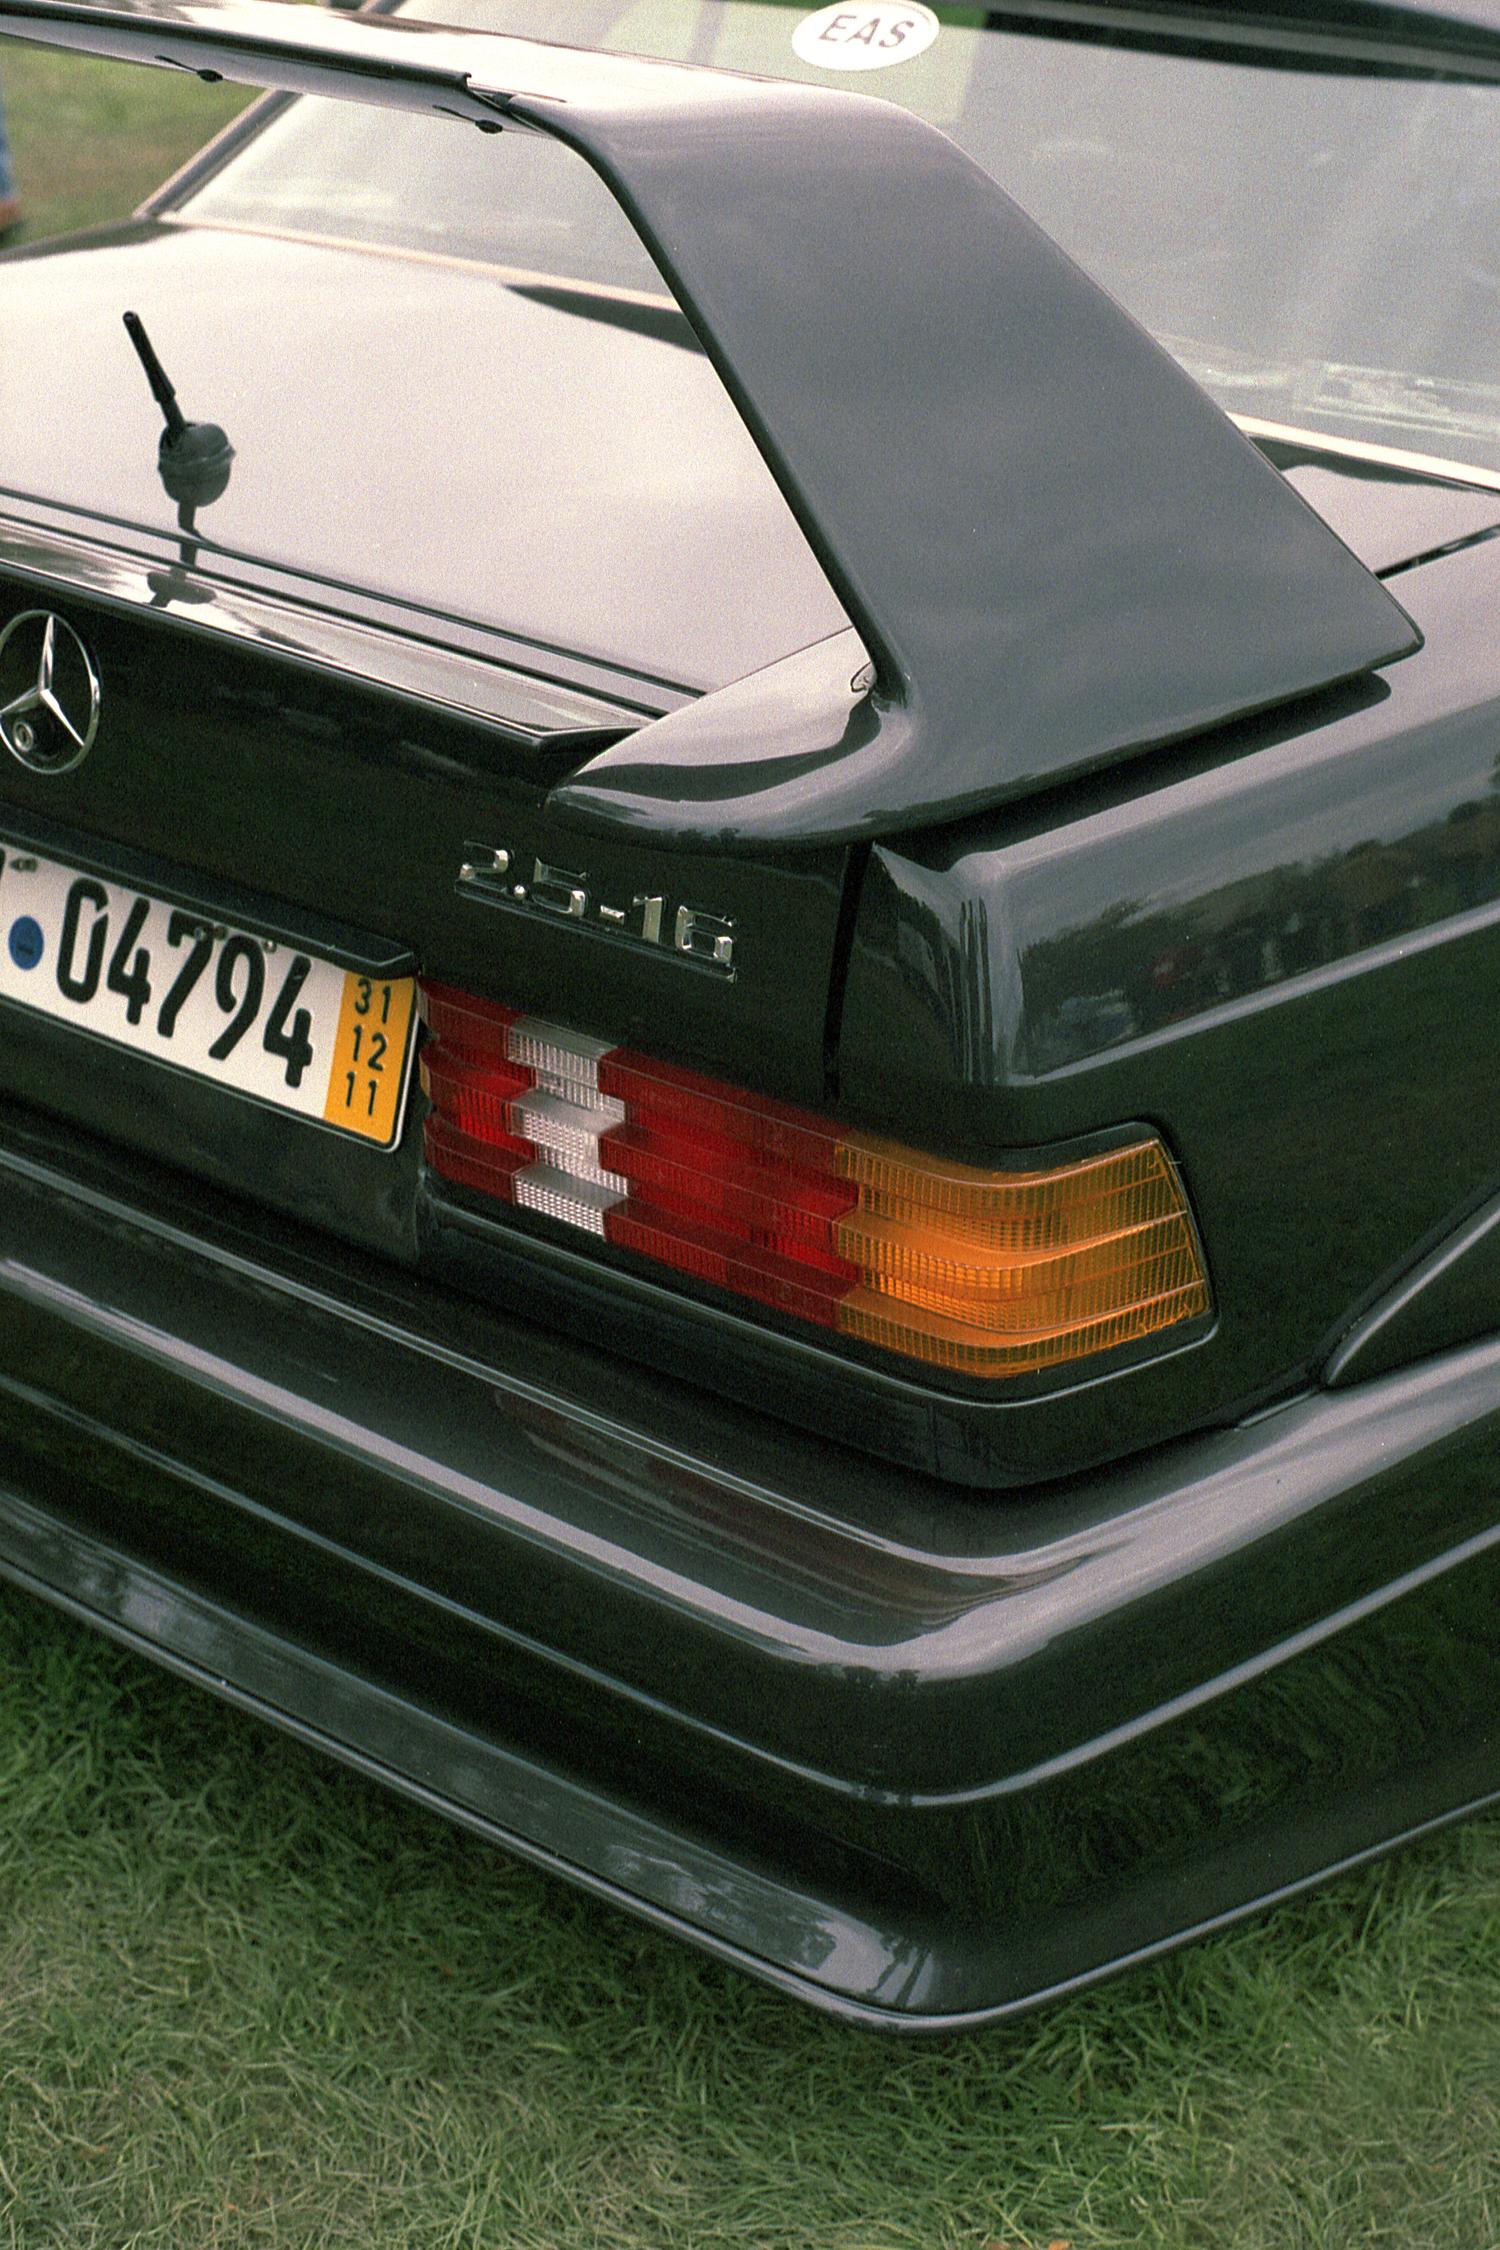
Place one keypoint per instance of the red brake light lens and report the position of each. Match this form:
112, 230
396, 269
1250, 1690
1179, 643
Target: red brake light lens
981, 1273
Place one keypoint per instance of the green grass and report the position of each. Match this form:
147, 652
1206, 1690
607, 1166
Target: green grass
91, 139
247, 1999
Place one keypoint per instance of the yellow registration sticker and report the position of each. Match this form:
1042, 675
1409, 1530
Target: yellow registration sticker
369, 1056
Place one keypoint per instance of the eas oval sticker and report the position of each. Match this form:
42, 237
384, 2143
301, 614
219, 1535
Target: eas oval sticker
865, 35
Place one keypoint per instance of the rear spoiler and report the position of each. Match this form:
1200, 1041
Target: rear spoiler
1054, 550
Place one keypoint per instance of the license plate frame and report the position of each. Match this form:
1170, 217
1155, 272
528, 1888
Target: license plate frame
329, 1041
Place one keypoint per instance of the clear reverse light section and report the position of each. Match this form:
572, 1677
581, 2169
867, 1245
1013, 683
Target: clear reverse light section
973, 1272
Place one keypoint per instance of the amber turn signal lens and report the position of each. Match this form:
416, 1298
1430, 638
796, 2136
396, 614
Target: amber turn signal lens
995, 1273
976, 1273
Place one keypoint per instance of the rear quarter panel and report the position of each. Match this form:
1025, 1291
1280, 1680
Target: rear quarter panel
1281, 948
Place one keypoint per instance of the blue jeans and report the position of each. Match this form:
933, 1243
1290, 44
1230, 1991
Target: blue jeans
7, 177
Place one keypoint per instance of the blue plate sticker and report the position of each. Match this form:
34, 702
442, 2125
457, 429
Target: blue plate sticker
27, 944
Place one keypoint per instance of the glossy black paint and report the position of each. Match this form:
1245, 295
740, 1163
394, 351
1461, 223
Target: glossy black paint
923, 1764
1279, 949
1447, 1298
664, 493
1010, 987
535, 698
508, 1522
1131, 571
1389, 515
250, 732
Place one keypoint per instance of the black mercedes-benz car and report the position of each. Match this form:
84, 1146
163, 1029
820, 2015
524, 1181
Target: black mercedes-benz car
749, 897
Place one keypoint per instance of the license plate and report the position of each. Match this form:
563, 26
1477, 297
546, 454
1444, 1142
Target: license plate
253, 1014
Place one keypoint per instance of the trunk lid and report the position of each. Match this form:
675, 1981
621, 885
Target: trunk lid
426, 429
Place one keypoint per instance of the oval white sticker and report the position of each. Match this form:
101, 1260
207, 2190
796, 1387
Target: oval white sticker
864, 35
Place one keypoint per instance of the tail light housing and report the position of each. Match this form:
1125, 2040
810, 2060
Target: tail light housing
977, 1273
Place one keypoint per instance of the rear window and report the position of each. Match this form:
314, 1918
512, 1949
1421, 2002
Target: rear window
1318, 243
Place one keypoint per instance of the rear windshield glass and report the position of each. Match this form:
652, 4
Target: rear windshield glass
1319, 246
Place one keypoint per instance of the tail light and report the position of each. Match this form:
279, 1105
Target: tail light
979, 1273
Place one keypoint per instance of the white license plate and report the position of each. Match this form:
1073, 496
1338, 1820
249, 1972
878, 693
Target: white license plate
261, 1017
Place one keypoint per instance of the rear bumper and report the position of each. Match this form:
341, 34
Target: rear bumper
923, 1756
